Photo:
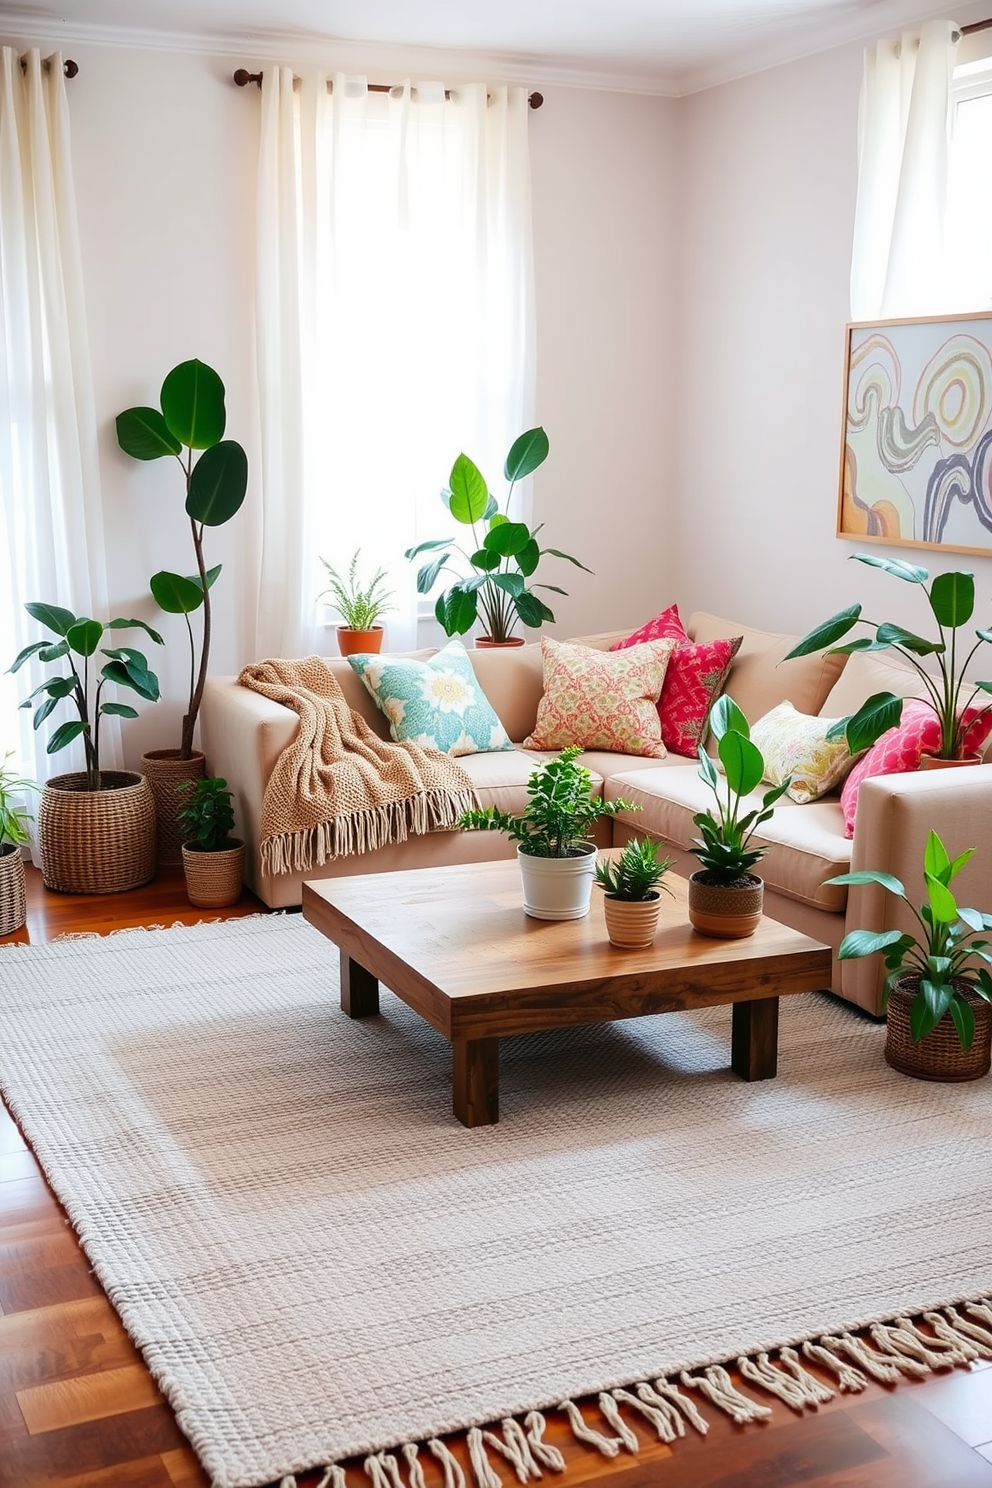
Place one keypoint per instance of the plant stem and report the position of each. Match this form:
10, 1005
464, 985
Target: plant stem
189, 722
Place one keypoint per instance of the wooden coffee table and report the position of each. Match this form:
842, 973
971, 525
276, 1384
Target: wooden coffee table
455, 945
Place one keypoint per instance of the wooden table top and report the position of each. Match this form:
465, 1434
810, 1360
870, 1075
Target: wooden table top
455, 944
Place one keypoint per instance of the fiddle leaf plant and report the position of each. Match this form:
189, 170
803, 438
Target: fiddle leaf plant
192, 417
561, 810
724, 845
502, 557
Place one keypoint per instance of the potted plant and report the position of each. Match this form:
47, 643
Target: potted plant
192, 417
725, 897
500, 562
360, 606
213, 860
939, 998
96, 827
633, 902
557, 862
13, 834
948, 691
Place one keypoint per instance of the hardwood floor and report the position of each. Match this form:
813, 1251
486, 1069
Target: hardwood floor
78, 1409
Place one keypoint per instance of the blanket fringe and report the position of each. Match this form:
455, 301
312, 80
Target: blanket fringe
359, 832
891, 1352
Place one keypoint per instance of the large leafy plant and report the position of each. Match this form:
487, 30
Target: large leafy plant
559, 813
724, 846
192, 417
77, 640
951, 598
943, 961
502, 559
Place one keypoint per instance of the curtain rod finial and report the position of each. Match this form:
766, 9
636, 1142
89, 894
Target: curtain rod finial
243, 77
535, 100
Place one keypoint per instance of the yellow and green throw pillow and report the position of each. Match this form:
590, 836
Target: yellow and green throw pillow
796, 744
436, 703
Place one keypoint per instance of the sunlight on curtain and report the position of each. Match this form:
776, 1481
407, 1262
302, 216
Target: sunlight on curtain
407, 245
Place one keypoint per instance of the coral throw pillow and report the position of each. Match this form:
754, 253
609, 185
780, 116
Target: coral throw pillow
903, 747
601, 701
695, 678
796, 744
437, 704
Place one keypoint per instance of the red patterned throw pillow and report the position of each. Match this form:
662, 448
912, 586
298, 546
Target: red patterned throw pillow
601, 701
903, 747
695, 678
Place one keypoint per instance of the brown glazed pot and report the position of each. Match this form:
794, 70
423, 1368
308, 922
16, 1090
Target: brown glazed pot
97, 842
726, 912
165, 772
359, 642
939, 1056
934, 762
486, 643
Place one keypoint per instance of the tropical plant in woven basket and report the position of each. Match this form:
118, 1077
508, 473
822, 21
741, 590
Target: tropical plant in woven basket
559, 814
207, 816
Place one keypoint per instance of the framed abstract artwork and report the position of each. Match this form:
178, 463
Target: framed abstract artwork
916, 443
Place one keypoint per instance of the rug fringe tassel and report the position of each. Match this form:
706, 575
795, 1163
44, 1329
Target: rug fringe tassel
663, 1417
485, 1474
682, 1403
954, 1326
546, 1454
715, 1383
515, 1446
787, 1380
609, 1446
410, 1452
334, 1477
451, 1467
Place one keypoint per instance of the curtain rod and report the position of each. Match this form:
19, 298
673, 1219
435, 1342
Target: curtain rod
243, 77
69, 67
975, 26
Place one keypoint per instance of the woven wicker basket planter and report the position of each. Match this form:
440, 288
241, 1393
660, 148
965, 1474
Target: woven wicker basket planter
214, 879
939, 1056
97, 842
165, 772
13, 899
725, 911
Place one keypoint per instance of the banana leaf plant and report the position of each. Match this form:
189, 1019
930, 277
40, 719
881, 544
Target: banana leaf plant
192, 417
951, 597
77, 642
502, 559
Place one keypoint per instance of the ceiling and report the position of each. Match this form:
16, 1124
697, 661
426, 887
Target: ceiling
663, 46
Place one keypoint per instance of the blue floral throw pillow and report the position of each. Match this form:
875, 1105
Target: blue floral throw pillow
436, 703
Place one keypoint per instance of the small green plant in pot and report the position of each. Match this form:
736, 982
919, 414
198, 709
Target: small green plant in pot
633, 881
725, 897
360, 605
14, 818
213, 859
938, 991
557, 861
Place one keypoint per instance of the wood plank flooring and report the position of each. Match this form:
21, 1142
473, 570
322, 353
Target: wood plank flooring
78, 1409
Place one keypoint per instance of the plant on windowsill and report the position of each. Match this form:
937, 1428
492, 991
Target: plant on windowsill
213, 859
96, 828
557, 861
361, 607
951, 597
633, 882
725, 897
14, 820
939, 1001
501, 563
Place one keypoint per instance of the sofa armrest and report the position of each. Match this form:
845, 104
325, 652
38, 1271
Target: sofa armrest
895, 814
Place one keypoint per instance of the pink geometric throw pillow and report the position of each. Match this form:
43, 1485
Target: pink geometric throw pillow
696, 676
902, 748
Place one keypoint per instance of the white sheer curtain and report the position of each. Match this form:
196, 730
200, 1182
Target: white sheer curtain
395, 294
898, 263
50, 509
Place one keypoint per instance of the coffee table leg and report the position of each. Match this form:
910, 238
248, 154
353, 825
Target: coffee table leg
754, 1040
475, 1081
359, 989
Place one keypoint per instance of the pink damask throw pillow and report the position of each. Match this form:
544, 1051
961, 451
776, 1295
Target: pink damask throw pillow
696, 676
902, 748
601, 701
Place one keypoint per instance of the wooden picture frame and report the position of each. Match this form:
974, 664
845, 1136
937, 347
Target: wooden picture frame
916, 433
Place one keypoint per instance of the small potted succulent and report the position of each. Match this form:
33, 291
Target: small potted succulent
633, 902
557, 861
14, 820
361, 607
725, 897
213, 860
937, 992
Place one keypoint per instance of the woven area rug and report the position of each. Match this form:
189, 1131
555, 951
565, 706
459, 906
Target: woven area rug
318, 1261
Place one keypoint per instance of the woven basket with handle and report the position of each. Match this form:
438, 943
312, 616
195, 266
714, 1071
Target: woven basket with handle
938, 1056
97, 842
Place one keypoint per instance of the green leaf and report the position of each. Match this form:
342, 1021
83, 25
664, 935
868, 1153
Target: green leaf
174, 594
84, 636
824, 635
43, 710
935, 859
959, 863
973, 920
488, 562
127, 674
53, 653
507, 539
870, 876
964, 1021
952, 599
528, 558
865, 942
895, 635
469, 492
910, 572
218, 484
942, 901
22, 656
526, 453
193, 404
725, 715
427, 575
708, 771
557, 553
120, 710
456, 610
426, 547
742, 762
532, 611
65, 735
53, 617
882, 711
492, 511
213, 574
136, 625
775, 794
510, 583
144, 434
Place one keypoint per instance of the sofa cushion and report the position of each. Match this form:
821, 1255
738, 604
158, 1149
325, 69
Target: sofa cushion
865, 674
500, 779
757, 682
357, 696
796, 745
512, 678
601, 701
438, 703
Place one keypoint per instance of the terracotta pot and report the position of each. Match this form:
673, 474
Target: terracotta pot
934, 762
165, 772
359, 642
13, 897
558, 888
725, 911
486, 643
97, 842
939, 1056
214, 879
631, 923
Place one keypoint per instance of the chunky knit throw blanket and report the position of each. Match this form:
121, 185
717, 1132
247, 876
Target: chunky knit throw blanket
338, 788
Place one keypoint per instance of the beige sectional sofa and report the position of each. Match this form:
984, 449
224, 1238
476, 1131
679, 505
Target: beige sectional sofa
243, 733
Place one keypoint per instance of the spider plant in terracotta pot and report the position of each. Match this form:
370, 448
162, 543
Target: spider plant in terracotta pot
633, 882
14, 820
213, 859
360, 605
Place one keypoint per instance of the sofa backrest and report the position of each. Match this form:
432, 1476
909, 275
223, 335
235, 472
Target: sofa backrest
865, 675
357, 694
759, 679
